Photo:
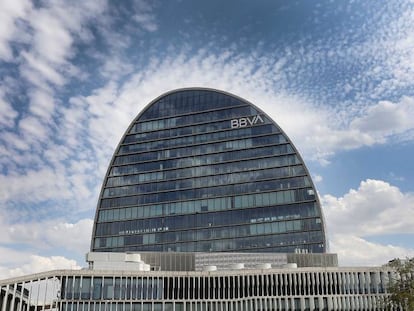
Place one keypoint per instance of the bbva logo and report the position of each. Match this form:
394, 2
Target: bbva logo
246, 121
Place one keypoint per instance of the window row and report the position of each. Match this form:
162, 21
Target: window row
208, 205
270, 198
200, 128
233, 141
131, 237
206, 220
215, 150
270, 243
206, 181
223, 287
205, 247
193, 118
212, 159
206, 170
247, 181
281, 284
179, 103
197, 139
105, 288
179, 195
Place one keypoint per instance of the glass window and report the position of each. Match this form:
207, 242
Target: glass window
275, 227
108, 288
86, 288
97, 288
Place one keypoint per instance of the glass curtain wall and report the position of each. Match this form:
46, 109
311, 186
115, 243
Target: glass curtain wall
201, 170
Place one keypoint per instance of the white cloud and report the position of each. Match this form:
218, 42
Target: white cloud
317, 178
380, 123
353, 250
144, 15
34, 186
37, 70
33, 129
77, 235
52, 39
12, 258
146, 21
49, 157
10, 12
395, 44
46, 33
375, 208
386, 118
25, 246
43, 104
115, 67
48, 234
37, 264
7, 114
12, 143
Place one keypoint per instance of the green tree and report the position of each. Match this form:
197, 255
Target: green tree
401, 285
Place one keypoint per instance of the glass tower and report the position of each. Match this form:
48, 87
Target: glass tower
201, 170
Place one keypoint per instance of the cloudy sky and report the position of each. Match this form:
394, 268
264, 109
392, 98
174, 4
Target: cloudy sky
337, 76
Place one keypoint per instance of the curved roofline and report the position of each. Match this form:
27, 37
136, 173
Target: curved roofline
224, 93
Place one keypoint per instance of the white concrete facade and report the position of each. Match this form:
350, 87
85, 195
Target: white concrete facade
334, 288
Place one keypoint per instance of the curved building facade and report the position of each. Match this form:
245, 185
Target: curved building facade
200, 170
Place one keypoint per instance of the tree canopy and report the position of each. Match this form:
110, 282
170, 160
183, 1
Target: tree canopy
401, 285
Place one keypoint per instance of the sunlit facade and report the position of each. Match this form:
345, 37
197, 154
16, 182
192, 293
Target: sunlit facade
200, 170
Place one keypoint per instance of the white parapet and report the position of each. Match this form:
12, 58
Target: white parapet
237, 266
290, 266
116, 261
133, 257
210, 268
264, 266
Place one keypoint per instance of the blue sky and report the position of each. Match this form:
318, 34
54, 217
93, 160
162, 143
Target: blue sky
337, 76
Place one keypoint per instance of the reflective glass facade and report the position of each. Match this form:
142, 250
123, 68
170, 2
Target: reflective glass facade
203, 170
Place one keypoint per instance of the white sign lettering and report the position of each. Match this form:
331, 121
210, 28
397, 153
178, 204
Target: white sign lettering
246, 121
